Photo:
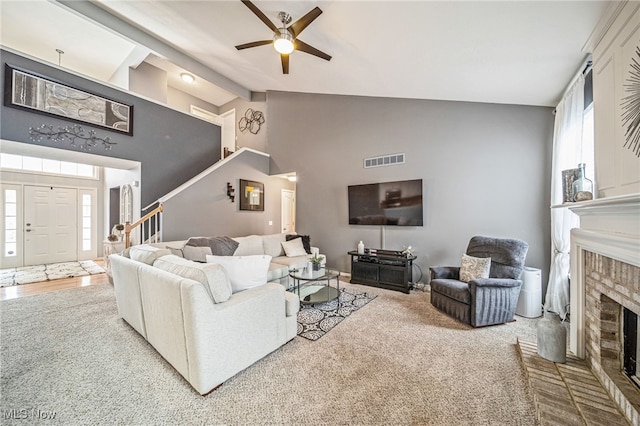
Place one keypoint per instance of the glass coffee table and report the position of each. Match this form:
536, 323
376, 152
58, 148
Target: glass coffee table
315, 286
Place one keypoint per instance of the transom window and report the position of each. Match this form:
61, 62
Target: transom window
43, 165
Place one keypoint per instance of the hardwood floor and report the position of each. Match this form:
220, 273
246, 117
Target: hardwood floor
23, 290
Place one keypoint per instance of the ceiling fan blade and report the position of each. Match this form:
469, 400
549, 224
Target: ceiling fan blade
260, 15
285, 63
296, 28
253, 44
304, 47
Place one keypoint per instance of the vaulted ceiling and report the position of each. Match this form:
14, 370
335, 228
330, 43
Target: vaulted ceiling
513, 52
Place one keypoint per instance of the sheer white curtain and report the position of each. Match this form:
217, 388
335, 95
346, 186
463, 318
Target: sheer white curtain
567, 153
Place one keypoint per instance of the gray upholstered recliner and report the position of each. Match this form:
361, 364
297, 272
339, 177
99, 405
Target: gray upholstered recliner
482, 301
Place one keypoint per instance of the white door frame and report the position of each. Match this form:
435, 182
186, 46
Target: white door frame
18, 259
284, 206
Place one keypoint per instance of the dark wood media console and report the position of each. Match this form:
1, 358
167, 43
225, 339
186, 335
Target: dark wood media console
384, 269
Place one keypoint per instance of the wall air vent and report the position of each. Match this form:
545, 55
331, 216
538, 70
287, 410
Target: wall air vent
384, 160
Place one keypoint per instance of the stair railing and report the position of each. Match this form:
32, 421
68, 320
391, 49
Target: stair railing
151, 221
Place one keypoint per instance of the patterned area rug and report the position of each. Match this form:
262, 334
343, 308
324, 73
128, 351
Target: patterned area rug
314, 321
52, 271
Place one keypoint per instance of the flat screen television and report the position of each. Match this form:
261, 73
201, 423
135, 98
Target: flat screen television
388, 203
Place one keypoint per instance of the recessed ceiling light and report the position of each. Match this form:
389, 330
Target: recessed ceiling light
187, 78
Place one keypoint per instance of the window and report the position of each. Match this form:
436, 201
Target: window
10, 222
43, 165
86, 222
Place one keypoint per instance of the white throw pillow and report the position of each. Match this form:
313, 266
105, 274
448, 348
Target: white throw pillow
293, 248
472, 268
244, 271
212, 277
147, 254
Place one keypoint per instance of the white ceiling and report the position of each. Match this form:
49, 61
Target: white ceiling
513, 52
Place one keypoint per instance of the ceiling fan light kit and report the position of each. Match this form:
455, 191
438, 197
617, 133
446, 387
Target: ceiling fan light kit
285, 40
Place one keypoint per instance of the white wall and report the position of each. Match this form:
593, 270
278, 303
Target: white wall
617, 167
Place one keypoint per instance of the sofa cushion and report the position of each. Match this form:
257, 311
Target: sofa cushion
294, 248
244, 271
454, 289
474, 267
249, 246
147, 254
277, 271
212, 277
272, 244
292, 262
306, 241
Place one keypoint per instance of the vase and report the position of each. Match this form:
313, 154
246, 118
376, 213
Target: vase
552, 338
582, 188
317, 266
360, 247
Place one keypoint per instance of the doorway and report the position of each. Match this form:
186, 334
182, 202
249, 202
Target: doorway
288, 210
50, 224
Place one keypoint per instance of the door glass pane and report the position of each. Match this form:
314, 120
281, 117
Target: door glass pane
10, 196
10, 249
10, 223
10, 209
10, 236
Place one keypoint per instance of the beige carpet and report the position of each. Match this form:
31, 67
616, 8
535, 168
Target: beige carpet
395, 361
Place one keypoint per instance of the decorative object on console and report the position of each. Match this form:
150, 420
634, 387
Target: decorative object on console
251, 195
361, 247
568, 177
252, 121
70, 134
231, 192
631, 106
33, 92
582, 188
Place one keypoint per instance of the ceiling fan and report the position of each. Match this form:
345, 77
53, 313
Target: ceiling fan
285, 40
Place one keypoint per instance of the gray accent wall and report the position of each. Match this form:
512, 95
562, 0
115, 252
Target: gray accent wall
485, 171
203, 209
172, 146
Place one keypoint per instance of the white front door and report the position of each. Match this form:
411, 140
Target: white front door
288, 211
50, 225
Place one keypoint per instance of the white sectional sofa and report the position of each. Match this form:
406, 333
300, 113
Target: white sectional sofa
189, 314
271, 245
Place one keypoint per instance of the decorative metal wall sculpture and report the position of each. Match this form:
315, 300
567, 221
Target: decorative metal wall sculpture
75, 135
30, 91
631, 106
251, 121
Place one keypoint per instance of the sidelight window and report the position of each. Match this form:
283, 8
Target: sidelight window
10, 222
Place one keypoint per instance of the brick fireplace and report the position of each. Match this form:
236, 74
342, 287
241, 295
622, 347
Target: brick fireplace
605, 278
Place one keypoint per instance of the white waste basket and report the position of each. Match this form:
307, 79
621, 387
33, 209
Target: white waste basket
530, 299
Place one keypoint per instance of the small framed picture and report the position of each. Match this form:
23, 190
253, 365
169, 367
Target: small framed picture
251, 195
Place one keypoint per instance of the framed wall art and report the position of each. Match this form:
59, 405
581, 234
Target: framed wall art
27, 90
251, 195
